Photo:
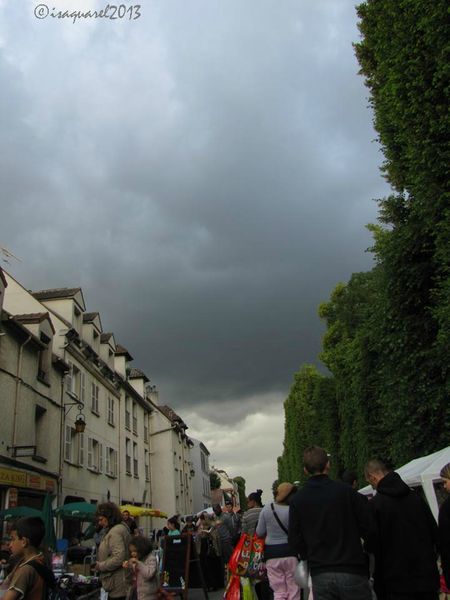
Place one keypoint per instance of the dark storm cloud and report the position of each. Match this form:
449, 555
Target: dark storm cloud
204, 173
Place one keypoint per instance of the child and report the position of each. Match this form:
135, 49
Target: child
28, 579
143, 570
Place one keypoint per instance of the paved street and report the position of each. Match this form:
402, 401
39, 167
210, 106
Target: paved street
197, 594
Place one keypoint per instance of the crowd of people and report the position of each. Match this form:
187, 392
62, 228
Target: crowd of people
356, 549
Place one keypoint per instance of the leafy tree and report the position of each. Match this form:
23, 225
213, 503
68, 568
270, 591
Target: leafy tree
404, 56
387, 338
214, 480
308, 421
275, 485
241, 488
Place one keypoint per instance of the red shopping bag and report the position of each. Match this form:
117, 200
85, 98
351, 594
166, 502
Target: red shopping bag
233, 589
233, 562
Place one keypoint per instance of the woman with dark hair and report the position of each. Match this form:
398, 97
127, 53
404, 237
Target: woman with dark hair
113, 550
444, 526
251, 516
281, 561
173, 525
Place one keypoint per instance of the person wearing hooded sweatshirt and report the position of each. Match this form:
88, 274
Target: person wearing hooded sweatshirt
405, 539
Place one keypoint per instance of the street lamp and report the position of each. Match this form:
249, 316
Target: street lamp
80, 421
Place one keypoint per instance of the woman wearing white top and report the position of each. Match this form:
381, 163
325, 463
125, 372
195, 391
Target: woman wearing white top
280, 560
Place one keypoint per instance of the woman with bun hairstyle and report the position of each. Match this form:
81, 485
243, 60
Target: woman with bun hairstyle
251, 516
281, 561
444, 526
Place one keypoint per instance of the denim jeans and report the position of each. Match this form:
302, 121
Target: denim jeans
340, 586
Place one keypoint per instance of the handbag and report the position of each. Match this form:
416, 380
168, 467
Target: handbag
301, 575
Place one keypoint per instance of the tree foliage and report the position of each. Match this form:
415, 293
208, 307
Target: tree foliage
214, 480
242, 494
388, 331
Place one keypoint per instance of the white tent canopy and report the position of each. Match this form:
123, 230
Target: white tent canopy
421, 471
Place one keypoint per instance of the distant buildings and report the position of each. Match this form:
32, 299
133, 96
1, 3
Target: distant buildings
228, 491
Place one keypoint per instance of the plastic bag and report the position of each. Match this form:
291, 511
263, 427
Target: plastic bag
248, 591
233, 589
257, 567
233, 562
301, 575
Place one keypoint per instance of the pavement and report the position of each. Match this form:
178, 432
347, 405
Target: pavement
198, 594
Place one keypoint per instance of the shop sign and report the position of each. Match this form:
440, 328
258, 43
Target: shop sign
34, 481
10, 477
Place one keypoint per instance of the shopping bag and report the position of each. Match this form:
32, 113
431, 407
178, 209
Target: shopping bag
245, 555
301, 575
233, 589
247, 589
257, 567
235, 557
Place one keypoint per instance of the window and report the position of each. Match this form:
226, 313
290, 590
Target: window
68, 443
113, 459
82, 387
45, 357
146, 428
72, 380
147, 466
111, 462
135, 460
110, 410
128, 456
81, 449
94, 398
135, 418
95, 458
127, 413
100, 458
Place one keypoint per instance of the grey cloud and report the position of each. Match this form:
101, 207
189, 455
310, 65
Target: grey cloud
204, 173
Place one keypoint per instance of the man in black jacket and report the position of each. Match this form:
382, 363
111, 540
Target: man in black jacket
327, 520
405, 539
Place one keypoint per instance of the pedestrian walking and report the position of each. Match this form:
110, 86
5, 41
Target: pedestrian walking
281, 560
404, 541
327, 520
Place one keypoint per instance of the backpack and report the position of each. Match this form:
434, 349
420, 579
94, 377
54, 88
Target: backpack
51, 589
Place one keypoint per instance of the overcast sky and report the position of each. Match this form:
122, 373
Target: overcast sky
205, 173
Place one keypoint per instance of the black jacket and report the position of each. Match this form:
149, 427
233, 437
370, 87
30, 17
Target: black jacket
444, 539
327, 520
405, 539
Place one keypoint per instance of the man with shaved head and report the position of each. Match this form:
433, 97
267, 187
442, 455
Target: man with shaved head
404, 541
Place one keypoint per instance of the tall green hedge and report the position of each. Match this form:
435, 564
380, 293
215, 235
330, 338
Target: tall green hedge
387, 343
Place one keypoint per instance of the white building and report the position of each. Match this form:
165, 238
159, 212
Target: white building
201, 490
172, 470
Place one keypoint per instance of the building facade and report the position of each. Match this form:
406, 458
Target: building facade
201, 489
58, 368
